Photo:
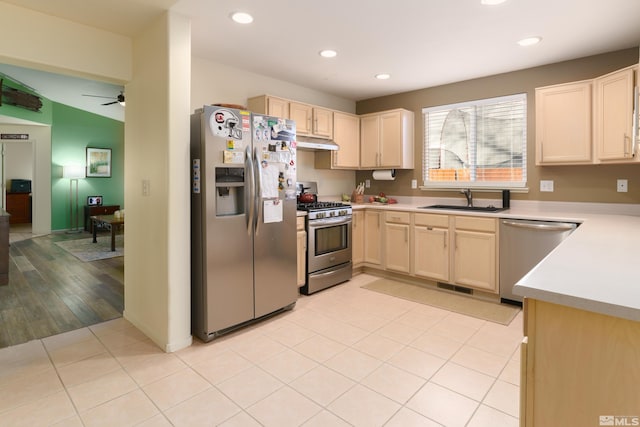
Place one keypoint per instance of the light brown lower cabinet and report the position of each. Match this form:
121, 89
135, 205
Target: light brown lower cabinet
578, 367
357, 233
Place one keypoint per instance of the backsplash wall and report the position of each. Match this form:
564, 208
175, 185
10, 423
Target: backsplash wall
596, 183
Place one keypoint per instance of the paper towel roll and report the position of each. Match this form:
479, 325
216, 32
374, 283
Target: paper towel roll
384, 175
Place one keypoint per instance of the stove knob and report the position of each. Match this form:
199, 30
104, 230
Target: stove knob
320, 215
332, 213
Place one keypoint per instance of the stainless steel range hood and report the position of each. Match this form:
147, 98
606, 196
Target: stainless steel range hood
315, 144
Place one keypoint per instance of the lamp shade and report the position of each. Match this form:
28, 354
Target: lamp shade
73, 171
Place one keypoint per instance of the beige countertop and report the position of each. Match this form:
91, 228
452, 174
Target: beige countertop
594, 269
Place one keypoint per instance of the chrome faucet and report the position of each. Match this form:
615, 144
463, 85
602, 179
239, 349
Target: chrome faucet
468, 195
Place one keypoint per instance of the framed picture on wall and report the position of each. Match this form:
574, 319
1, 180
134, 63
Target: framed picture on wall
98, 162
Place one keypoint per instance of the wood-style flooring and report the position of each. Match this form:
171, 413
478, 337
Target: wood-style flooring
50, 291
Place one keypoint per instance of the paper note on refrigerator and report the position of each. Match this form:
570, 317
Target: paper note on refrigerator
269, 174
272, 211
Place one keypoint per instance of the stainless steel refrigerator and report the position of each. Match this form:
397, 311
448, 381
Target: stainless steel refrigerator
243, 218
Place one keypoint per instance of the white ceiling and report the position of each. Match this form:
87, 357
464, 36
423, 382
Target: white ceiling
421, 43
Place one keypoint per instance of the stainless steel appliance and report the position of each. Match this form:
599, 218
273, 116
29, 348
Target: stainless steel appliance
243, 218
328, 226
523, 244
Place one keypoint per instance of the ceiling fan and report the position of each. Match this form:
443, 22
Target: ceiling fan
118, 100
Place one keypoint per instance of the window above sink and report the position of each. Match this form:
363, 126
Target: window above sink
476, 144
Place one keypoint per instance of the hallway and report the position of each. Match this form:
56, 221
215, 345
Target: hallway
51, 291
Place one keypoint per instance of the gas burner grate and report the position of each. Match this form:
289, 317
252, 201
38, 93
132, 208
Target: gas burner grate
319, 206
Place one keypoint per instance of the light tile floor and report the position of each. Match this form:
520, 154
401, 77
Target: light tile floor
345, 356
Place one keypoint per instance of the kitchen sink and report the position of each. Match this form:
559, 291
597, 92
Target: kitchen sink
465, 208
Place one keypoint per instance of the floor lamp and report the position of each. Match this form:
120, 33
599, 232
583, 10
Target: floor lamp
73, 173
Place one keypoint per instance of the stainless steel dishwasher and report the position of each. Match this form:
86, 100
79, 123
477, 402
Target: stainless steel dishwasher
523, 244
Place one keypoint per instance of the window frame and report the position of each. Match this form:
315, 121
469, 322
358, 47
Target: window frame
476, 185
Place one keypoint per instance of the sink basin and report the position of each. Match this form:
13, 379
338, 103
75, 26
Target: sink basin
465, 208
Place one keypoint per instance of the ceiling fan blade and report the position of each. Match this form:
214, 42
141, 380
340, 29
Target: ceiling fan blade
109, 103
99, 96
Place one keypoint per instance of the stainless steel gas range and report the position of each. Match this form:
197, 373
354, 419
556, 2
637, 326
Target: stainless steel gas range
328, 226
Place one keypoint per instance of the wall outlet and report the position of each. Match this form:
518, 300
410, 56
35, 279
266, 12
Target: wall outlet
367, 183
623, 186
414, 183
546, 185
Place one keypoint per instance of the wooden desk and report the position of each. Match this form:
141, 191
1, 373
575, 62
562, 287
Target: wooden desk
110, 221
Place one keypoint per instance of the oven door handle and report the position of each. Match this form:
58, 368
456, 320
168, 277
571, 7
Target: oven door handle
316, 223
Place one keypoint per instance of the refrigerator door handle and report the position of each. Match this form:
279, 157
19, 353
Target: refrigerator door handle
258, 191
250, 189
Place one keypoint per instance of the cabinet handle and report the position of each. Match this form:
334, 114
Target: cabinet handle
444, 239
406, 235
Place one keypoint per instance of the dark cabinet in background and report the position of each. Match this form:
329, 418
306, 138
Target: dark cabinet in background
19, 206
4, 248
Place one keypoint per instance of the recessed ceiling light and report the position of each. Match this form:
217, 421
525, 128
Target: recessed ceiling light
242, 18
383, 76
328, 53
491, 2
530, 41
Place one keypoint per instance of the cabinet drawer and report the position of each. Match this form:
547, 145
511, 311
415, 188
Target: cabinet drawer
300, 223
398, 217
431, 220
476, 223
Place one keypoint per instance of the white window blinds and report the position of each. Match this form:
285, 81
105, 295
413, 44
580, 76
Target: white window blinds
476, 144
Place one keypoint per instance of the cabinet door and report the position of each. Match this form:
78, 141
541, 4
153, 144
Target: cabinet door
322, 123
390, 145
563, 124
431, 252
372, 237
474, 262
614, 113
302, 257
397, 247
369, 141
357, 238
302, 115
346, 133
278, 107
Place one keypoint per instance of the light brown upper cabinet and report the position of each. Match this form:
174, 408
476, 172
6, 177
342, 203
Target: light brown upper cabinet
386, 140
614, 116
346, 133
311, 121
563, 124
587, 122
271, 105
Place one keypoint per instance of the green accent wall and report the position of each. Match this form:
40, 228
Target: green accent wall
74, 130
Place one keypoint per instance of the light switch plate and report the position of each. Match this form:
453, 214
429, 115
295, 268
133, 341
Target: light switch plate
546, 185
414, 183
